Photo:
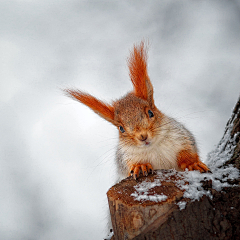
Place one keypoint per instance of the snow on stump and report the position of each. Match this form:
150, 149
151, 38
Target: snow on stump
183, 205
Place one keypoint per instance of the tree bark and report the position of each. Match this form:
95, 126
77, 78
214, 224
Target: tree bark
216, 217
235, 119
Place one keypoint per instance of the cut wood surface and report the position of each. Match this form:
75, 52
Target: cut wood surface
165, 206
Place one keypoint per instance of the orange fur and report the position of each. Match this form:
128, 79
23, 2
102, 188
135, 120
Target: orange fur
137, 63
191, 161
104, 110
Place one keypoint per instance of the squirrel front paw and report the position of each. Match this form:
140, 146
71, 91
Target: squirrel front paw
195, 166
191, 161
137, 169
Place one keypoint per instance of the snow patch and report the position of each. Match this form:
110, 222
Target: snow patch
182, 205
224, 150
142, 192
220, 174
194, 189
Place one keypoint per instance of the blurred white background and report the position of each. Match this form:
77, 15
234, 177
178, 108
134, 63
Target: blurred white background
57, 156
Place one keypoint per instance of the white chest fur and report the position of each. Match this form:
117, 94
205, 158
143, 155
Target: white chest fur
162, 155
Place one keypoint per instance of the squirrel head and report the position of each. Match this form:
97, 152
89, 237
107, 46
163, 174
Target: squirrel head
137, 120
135, 114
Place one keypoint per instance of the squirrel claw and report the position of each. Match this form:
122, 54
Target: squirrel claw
138, 169
198, 166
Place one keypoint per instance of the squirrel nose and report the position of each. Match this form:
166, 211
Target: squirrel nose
143, 137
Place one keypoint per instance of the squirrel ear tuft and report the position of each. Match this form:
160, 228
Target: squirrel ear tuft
137, 64
105, 110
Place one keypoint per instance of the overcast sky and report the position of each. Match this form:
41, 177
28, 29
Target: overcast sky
56, 156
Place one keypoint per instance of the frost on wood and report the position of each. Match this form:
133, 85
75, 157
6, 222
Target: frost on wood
165, 204
227, 152
220, 161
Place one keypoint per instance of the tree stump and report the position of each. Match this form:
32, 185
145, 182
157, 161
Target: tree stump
131, 216
160, 206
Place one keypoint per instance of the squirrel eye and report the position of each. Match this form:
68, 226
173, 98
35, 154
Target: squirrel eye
121, 129
150, 114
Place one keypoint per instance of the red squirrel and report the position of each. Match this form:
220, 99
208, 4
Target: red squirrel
148, 139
